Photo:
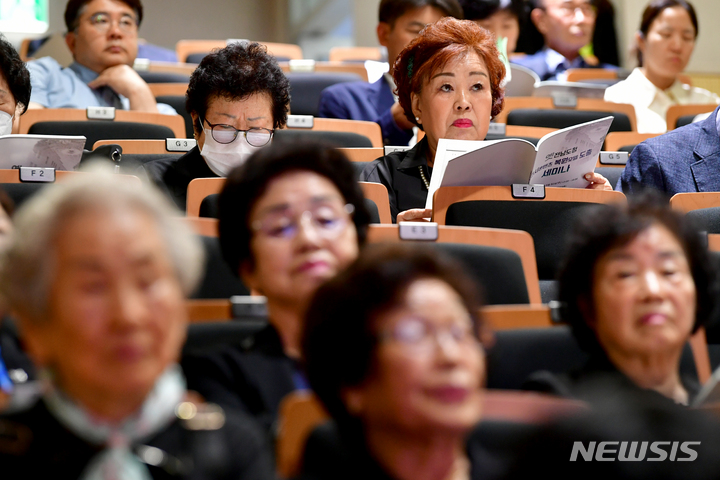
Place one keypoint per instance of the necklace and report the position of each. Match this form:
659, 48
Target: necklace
422, 175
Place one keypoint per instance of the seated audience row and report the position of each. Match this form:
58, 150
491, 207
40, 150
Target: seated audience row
402, 374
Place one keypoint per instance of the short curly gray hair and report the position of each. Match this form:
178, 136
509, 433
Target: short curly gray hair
26, 269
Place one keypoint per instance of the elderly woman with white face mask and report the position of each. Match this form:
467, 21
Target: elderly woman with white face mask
14, 87
237, 97
96, 275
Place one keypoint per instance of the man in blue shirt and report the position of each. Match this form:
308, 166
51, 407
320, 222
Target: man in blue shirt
103, 38
566, 26
400, 22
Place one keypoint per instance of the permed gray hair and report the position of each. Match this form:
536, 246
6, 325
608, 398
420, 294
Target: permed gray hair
27, 267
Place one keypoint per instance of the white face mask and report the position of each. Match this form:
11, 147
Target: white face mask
223, 157
6, 123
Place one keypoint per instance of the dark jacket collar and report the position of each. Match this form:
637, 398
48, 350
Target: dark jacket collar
416, 156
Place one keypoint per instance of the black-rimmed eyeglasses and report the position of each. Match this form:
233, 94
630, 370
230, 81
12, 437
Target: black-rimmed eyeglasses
222, 133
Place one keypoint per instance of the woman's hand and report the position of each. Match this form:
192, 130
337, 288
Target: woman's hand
415, 215
597, 182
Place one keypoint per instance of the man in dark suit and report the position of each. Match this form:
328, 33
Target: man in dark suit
400, 22
566, 26
683, 160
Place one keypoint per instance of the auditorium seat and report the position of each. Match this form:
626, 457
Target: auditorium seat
178, 103
611, 173
218, 280
541, 112
625, 141
355, 54
358, 128
548, 220
125, 125
193, 51
681, 115
306, 88
506, 280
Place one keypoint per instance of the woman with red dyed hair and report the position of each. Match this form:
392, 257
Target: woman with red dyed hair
448, 83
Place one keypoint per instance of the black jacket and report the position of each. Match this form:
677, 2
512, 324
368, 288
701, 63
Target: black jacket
33, 444
400, 173
329, 456
253, 377
173, 175
597, 381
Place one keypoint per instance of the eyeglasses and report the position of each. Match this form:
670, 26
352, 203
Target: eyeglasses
570, 10
102, 22
257, 137
327, 220
420, 336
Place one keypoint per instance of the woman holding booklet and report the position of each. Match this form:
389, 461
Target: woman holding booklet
449, 84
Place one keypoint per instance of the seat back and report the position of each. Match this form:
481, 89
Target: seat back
611, 173
625, 141
686, 202
94, 130
362, 154
306, 88
624, 114
675, 112
548, 220
198, 189
163, 78
358, 128
582, 74
157, 147
335, 139
199, 48
178, 89
178, 103
706, 219
354, 54
218, 280
127, 125
517, 241
377, 193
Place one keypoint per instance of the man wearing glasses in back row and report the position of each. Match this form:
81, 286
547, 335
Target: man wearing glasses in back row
103, 38
566, 26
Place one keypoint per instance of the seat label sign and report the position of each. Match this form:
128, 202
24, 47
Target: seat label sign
528, 190
101, 113
179, 144
37, 175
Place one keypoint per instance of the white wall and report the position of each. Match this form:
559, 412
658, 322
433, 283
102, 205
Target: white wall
167, 21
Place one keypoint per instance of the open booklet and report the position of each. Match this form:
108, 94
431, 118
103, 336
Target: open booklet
561, 159
44, 151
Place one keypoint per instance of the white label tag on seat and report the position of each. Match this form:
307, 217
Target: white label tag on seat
37, 175
496, 129
614, 158
528, 190
418, 231
567, 100
300, 121
179, 144
101, 113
